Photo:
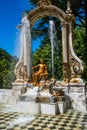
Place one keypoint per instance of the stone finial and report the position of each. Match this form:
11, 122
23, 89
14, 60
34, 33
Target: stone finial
68, 11
44, 2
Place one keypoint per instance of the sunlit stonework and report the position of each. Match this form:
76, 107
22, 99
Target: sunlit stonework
43, 2
33, 90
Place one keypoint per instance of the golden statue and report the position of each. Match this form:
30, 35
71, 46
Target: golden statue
41, 73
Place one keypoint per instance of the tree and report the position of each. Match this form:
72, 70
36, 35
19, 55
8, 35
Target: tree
7, 63
44, 52
80, 47
85, 3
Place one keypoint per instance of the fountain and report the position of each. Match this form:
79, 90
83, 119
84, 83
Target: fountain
51, 32
47, 96
25, 60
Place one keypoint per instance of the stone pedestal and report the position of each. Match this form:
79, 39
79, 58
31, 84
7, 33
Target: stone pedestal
61, 107
50, 109
67, 105
6, 97
28, 107
43, 99
19, 88
77, 95
77, 88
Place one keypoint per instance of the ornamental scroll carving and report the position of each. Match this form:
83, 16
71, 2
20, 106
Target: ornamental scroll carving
43, 2
66, 72
21, 72
76, 66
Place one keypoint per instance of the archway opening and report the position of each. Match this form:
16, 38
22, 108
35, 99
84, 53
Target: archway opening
40, 34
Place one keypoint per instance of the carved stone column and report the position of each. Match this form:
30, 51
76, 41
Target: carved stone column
76, 64
23, 69
28, 53
65, 51
29, 67
64, 41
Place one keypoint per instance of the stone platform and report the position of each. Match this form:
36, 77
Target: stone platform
39, 101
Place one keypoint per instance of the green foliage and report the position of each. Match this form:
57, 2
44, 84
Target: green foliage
7, 63
80, 47
79, 42
44, 52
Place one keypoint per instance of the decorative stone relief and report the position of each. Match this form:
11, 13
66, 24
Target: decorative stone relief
21, 72
76, 64
76, 67
66, 72
43, 2
43, 11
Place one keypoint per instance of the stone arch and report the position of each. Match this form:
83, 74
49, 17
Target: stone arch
43, 11
50, 10
72, 65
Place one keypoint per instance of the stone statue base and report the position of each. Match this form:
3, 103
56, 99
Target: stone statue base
19, 88
39, 100
76, 81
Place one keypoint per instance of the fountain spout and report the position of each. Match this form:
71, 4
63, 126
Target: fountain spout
51, 33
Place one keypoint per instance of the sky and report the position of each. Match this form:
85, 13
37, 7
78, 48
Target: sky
11, 16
